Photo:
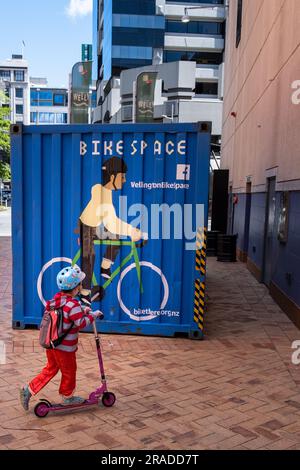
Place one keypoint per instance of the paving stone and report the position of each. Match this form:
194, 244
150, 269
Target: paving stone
237, 389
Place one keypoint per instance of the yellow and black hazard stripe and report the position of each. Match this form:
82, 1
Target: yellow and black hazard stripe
199, 303
201, 247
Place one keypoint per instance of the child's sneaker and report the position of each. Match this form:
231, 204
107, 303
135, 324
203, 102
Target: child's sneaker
73, 401
25, 396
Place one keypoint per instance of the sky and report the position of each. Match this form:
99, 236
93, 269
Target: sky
53, 31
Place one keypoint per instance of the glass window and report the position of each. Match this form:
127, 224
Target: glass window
19, 109
239, 22
5, 74
33, 117
41, 94
59, 99
41, 103
19, 75
45, 95
61, 118
19, 92
33, 94
42, 118
41, 98
139, 21
132, 52
206, 88
94, 99
211, 2
195, 27
118, 65
135, 7
213, 58
138, 37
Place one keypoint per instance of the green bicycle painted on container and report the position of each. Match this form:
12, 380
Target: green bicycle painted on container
99, 225
124, 268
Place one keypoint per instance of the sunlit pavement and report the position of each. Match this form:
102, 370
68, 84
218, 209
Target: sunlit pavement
236, 390
5, 223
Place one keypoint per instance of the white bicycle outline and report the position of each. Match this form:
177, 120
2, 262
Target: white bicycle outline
147, 264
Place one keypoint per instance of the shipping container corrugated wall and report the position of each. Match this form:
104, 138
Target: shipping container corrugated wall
61, 177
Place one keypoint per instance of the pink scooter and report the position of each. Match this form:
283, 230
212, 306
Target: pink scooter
107, 398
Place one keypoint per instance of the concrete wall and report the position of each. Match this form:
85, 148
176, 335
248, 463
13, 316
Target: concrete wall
287, 256
202, 110
176, 11
176, 42
258, 87
174, 74
261, 128
179, 80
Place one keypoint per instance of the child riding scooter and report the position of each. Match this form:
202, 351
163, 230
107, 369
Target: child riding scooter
61, 351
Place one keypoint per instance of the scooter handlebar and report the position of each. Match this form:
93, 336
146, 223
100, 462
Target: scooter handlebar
98, 315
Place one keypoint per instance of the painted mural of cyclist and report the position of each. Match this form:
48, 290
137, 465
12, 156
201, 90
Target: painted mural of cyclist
99, 221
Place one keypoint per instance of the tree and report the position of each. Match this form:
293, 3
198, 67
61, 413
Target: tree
5, 173
4, 128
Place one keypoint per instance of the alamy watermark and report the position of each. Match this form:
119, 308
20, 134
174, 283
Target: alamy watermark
296, 353
158, 221
296, 94
2, 353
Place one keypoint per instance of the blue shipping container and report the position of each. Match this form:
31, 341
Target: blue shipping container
129, 204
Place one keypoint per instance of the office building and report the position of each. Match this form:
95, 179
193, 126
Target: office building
14, 78
260, 142
155, 35
47, 105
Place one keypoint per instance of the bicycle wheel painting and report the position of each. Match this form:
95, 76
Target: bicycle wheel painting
47, 277
131, 295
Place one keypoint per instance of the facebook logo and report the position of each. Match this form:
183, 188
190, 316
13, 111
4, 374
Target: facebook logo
183, 172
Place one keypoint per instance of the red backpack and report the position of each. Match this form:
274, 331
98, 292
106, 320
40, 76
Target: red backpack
51, 328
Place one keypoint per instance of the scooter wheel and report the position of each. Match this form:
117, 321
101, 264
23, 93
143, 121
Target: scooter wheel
42, 409
108, 399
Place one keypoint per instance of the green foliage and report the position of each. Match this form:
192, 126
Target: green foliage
4, 128
5, 173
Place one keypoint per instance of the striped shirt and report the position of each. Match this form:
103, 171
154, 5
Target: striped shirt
73, 314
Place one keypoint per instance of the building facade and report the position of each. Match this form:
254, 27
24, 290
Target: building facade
47, 105
177, 96
149, 35
14, 78
260, 142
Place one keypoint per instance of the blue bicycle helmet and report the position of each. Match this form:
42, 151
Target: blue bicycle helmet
69, 278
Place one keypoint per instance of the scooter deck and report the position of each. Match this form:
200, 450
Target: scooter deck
61, 407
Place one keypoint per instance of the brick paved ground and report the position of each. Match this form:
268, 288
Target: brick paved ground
235, 390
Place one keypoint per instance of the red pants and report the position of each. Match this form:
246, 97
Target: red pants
57, 360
